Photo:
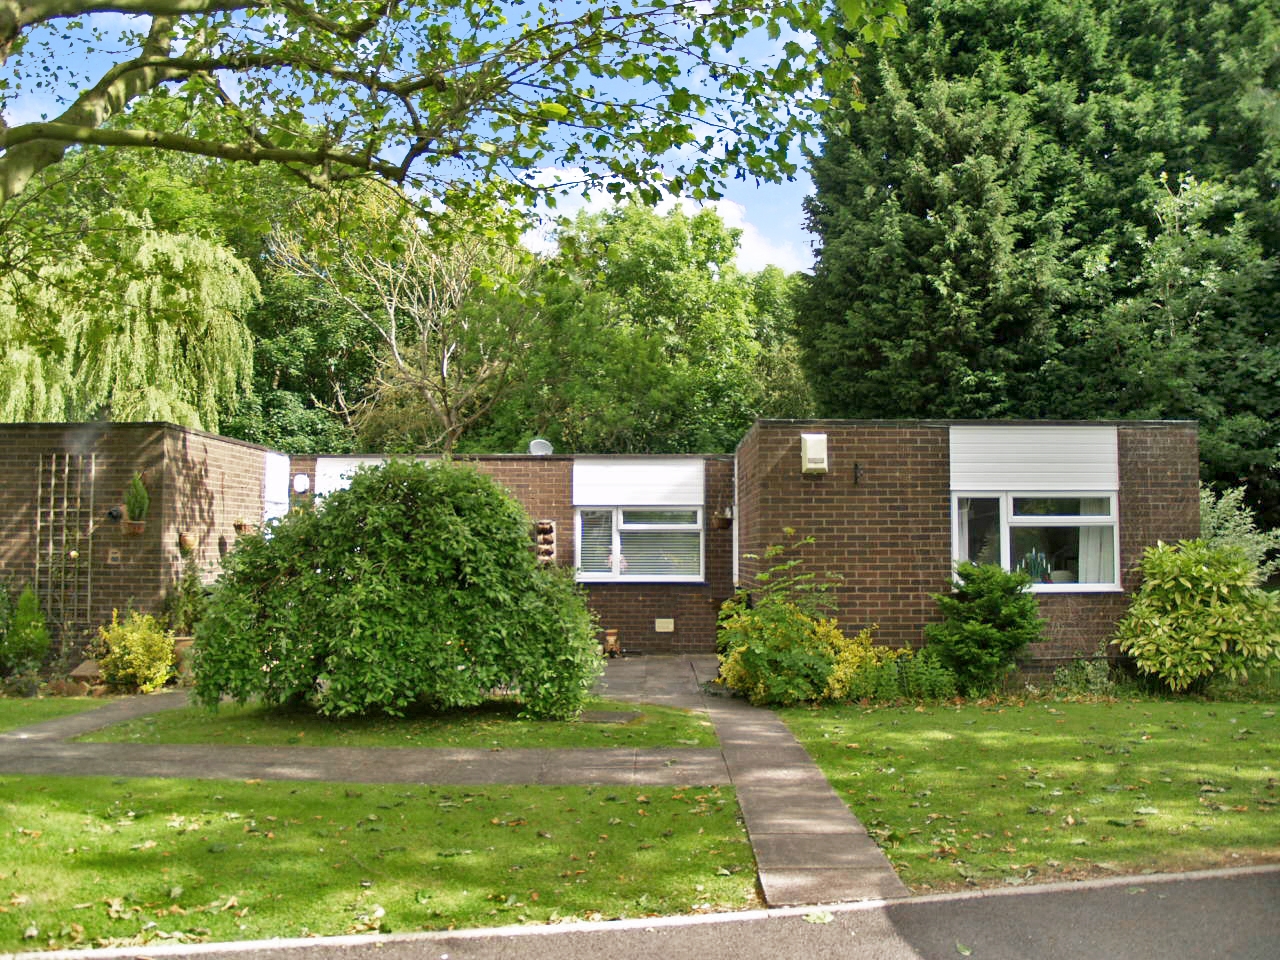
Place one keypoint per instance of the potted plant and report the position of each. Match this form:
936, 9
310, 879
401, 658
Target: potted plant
137, 502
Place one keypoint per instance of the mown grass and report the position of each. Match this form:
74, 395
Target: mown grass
18, 712
96, 862
492, 726
1010, 793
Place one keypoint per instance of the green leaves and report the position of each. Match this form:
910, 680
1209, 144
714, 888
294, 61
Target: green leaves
990, 617
416, 585
426, 97
1199, 612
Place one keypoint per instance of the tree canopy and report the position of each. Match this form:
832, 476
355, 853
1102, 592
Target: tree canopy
1061, 210
651, 341
441, 96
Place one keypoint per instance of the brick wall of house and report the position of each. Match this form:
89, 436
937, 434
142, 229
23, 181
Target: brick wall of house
880, 517
213, 485
1159, 500
633, 609
58, 485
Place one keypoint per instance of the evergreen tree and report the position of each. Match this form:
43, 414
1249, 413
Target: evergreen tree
1059, 209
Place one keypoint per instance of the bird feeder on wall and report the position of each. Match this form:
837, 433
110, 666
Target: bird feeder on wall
813, 453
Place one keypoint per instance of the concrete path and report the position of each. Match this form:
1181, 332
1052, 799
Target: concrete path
809, 848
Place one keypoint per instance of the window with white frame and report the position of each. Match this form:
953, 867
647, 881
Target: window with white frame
1039, 498
1064, 541
640, 543
639, 519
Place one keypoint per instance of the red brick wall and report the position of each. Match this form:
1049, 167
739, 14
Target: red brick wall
213, 483
57, 484
880, 517
1159, 500
632, 608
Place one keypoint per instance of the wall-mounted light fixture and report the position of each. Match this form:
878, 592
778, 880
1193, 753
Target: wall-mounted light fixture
301, 483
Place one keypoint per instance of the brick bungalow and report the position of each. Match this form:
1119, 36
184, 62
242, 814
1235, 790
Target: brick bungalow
658, 541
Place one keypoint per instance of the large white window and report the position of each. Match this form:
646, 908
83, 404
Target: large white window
1067, 542
1040, 498
639, 519
640, 543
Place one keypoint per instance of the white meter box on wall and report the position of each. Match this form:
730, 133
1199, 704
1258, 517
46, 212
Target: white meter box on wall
813, 453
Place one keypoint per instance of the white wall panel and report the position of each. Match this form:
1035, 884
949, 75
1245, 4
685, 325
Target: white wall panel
638, 481
275, 486
1031, 458
334, 473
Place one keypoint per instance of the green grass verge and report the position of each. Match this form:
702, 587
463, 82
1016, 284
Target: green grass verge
96, 862
494, 725
983, 794
23, 711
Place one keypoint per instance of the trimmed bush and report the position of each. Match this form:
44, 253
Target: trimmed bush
991, 616
415, 585
1198, 613
136, 653
862, 670
24, 639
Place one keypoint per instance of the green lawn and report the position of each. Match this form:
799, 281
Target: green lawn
95, 862
23, 711
1013, 793
492, 726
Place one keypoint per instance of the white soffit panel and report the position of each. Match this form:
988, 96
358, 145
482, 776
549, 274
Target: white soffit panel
1065, 458
638, 482
334, 473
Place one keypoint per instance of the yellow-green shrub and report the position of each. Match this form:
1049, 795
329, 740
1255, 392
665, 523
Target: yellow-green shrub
135, 653
857, 660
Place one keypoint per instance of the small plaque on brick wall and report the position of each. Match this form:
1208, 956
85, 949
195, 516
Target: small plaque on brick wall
664, 625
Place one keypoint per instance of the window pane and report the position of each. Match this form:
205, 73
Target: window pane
659, 517
980, 529
1066, 554
597, 541
1061, 506
662, 553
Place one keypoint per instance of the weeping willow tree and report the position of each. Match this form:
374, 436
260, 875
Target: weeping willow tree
143, 325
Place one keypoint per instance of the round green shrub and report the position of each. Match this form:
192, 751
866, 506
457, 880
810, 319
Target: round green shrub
415, 585
1200, 612
990, 618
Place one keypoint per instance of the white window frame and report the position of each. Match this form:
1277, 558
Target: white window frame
1010, 522
618, 575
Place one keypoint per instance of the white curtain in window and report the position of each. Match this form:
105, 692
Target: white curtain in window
1096, 562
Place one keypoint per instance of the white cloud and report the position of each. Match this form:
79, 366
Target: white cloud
756, 249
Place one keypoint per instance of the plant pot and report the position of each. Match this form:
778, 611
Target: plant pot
134, 528
186, 543
241, 527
